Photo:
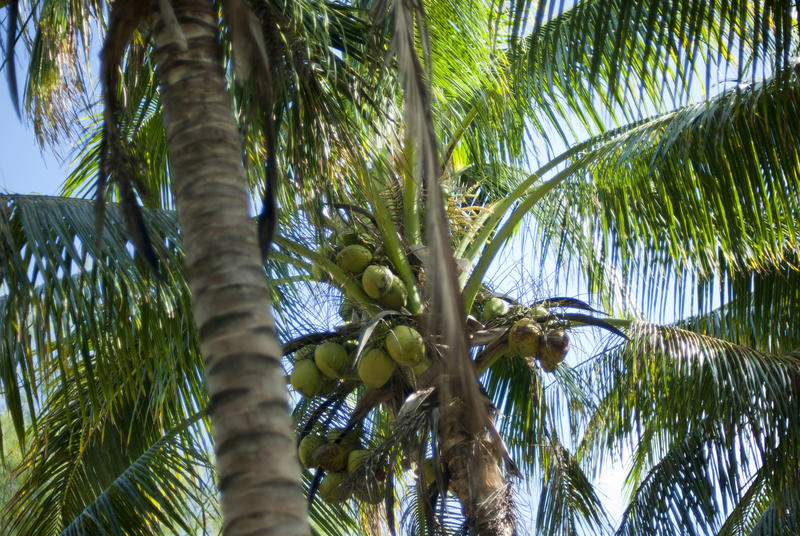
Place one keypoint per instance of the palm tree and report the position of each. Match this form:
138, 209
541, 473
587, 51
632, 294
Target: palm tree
260, 487
658, 157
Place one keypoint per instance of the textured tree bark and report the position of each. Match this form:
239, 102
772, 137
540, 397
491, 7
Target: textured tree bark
476, 479
257, 469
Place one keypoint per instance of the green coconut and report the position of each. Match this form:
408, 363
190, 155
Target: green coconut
356, 458
319, 273
553, 349
375, 368
332, 488
540, 313
405, 345
332, 457
306, 378
376, 281
308, 446
354, 258
397, 296
348, 238
494, 307
421, 367
525, 337
332, 359
348, 438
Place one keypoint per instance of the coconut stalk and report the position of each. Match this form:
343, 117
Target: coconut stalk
394, 248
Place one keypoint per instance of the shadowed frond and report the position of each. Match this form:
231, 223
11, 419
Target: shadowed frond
768, 506
693, 409
117, 468
676, 496
568, 503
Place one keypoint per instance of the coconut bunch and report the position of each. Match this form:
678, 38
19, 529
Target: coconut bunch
538, 336
318, 368
362, 259
338, 454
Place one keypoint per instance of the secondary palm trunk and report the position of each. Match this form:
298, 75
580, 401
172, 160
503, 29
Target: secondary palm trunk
257, 469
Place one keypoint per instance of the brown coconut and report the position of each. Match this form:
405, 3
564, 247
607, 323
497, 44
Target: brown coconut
553, 349
525, 337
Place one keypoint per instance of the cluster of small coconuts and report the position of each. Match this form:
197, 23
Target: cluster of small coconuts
317, 371
358, 259
319, 368
395, 344
535, 336
339, 454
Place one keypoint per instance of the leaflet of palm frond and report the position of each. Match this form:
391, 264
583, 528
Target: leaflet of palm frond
589, 320
759, 308
758, 511
10, 60
353, 209
732, 158
778, 519
53, 259
87, 472
566, 301
445, 315
667, 383
654, 43
114, 158
677, 495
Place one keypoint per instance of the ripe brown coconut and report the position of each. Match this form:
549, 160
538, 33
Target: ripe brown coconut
525, 337
553, 349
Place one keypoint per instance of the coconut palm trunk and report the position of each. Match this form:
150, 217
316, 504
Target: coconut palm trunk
257, 470
476, 479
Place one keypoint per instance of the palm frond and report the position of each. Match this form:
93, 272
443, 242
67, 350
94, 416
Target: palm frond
759, 310
677, 495
655, 42
767, 506
568, 503
693, 409
116, 468
704, 192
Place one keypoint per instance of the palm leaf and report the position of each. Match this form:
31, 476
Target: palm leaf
706, 191
122, 470
670, 393
568, 503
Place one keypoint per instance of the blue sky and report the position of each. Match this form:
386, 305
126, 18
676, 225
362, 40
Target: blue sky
24, 168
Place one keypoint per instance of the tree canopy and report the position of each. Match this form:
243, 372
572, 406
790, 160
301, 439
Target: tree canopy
430, 131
